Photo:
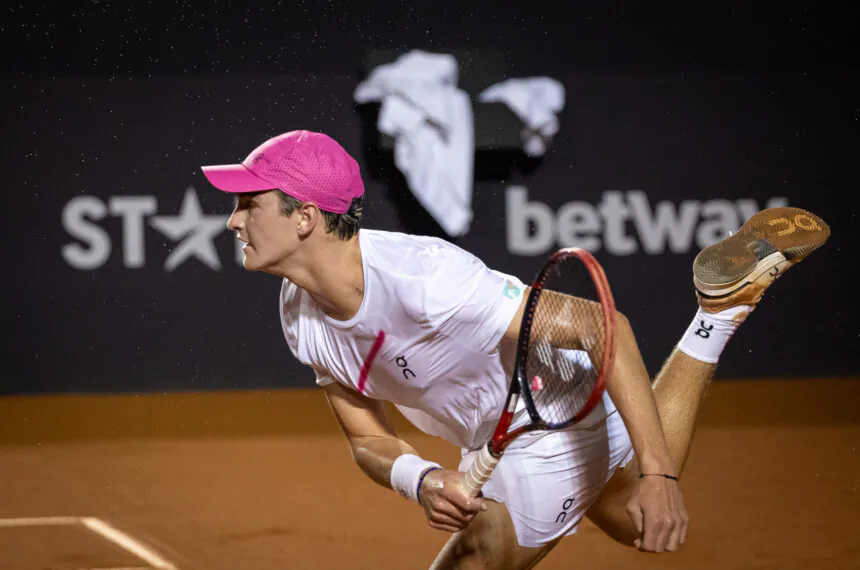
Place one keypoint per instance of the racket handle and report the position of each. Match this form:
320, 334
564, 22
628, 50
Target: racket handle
479, 472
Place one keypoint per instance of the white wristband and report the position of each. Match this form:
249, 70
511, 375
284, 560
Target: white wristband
406, 473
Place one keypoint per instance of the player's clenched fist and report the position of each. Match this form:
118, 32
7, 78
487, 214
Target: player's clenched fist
446, 505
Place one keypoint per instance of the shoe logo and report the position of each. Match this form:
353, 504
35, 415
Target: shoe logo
801, 221
805, 222
774, 272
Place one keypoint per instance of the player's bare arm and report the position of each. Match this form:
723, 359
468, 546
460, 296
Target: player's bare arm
372, 439
376, 448
657, 507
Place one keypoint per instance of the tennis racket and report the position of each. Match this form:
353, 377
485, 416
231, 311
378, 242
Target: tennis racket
565, 353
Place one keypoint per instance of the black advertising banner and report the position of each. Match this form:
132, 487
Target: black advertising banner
121, 274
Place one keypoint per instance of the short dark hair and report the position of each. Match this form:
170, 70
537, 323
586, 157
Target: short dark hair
344, 226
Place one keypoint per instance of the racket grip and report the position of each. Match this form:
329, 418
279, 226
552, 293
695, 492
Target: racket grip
479, 472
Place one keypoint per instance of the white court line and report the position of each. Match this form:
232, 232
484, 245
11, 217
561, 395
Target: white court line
126, 542
39, 521
104, 530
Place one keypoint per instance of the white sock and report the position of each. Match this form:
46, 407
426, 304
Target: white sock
707, 335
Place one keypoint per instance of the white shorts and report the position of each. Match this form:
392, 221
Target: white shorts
550, 483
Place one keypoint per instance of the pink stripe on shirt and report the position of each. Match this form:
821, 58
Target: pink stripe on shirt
365, 368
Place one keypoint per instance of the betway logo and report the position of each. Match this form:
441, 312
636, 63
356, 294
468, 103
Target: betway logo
192, 231
623, 223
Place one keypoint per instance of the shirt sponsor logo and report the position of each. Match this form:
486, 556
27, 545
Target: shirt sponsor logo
511, 291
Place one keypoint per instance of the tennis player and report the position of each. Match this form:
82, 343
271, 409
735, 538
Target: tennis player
418, 322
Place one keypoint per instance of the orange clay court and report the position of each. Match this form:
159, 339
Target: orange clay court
263, 480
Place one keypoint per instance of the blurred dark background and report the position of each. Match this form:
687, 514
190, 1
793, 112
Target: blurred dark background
120, 275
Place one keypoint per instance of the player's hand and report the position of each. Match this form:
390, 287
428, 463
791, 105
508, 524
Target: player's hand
446, 504
658, 512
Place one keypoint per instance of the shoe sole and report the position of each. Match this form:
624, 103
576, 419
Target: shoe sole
771, 240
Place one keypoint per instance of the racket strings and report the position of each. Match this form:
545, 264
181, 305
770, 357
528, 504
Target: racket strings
562, 364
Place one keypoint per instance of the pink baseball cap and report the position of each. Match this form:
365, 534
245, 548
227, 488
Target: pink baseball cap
309, 166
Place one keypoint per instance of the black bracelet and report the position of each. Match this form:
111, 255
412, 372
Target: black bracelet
672, 477
421, 480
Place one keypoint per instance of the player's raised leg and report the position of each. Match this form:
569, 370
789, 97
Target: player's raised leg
730, 278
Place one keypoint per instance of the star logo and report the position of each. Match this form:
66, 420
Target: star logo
196, 231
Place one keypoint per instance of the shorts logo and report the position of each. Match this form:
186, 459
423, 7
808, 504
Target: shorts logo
565, 510
511, 291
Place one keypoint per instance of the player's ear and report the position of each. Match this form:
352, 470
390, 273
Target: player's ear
309, 216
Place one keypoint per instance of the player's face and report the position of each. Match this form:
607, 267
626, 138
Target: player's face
269, 236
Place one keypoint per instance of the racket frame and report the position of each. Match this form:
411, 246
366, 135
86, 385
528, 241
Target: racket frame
519, 387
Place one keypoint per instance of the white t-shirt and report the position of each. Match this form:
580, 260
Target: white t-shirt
442, 313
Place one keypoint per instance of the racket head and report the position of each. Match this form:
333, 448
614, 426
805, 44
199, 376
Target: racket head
564, 357
561, 383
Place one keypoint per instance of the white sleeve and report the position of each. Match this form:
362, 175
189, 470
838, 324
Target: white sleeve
469, 301
323, 378
290, 305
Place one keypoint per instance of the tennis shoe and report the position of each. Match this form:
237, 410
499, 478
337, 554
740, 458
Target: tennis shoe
739, 269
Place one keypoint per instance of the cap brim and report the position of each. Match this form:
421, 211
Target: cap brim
235, 178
